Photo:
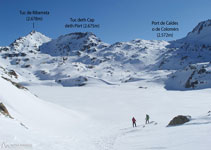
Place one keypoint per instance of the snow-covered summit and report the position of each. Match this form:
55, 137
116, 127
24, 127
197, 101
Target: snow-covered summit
32, 41
200, 27
80, 56
73, 44
201, 34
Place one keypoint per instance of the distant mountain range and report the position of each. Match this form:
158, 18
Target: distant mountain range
77, 59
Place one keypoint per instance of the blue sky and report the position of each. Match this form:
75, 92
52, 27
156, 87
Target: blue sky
120, 20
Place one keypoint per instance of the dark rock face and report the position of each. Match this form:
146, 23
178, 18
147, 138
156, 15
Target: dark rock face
77, 81
13, 73
179, 120
4, 111
15, 84
190, 84
201, 26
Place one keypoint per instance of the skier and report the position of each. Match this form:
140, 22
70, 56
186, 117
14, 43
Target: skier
147, 118
134, 122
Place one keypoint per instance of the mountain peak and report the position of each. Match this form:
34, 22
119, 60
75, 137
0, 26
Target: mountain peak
201, 34
201, 26
81, 34
73, 44
33, 32
85, 36
32, 40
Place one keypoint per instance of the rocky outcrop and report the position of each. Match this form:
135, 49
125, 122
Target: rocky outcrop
4, 111
196, 76
69, 82
15, 84
179, 120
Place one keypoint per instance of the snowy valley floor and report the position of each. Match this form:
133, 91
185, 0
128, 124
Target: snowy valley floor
107, 110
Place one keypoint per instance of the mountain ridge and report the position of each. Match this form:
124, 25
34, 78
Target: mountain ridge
77, 56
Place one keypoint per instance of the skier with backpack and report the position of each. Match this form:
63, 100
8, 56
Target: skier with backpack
147, 119
134, 122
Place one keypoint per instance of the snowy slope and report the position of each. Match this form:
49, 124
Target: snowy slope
35, 123
76, 55
194, 48
200, 34
187, 56
87, 92
73, 44
140, 53
30, 42
76, 59
182, 55
195, 76
112, 108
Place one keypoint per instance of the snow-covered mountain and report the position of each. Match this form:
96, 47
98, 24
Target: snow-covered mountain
73, 44
140, 53
195, 76
78, 82
25, 118
181, 55
78, 58
193, 50
30, 42
200, 35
